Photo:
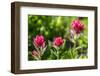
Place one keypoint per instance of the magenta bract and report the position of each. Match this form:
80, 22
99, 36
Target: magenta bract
39, 41
35, 53
58, 41
78, 26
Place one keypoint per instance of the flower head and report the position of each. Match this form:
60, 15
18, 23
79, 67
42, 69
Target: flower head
35, 53
58, 41
78, 26
39, 41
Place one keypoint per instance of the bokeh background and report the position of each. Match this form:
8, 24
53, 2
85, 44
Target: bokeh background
52, 26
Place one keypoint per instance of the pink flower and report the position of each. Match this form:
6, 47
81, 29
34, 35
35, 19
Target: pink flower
58, 41
77, 26
35, 53
39, 41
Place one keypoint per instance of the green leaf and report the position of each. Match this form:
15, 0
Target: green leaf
44, 49
53, 52
83, 57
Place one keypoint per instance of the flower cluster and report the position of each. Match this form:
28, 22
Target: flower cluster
39, 41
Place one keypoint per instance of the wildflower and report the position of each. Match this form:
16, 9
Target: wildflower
77, 26
39, 41
58, 41
35, 53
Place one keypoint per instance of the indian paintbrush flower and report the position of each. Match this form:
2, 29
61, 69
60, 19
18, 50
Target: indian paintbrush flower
78, 26
39, 41
35, 53
58, 41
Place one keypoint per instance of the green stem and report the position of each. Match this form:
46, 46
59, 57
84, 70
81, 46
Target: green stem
57, 54
71, 51
40, 53
72, 55
39, 57
74, 44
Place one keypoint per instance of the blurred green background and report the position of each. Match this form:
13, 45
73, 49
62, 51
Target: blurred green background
52, 26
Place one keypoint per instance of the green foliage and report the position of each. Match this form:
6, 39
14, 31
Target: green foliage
51, 27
